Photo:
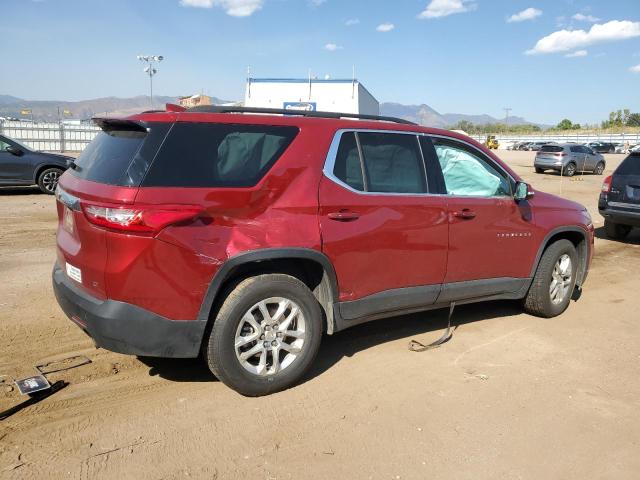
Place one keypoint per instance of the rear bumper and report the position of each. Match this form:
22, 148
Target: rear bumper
621, 216
548, 166
125, 328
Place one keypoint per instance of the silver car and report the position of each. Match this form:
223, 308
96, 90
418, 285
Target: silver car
568, 158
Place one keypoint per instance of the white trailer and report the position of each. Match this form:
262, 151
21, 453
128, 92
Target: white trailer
343, 96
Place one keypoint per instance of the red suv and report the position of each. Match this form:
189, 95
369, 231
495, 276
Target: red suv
245, 235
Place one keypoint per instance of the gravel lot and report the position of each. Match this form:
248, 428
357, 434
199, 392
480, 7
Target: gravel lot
511, 396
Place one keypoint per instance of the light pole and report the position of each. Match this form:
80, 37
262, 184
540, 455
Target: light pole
150, 70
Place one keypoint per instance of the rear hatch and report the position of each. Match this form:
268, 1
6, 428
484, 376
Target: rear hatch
140, 181
550, 153
108, 170
625, 185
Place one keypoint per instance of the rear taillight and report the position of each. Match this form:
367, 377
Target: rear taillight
606, 185
146, 220
561, 154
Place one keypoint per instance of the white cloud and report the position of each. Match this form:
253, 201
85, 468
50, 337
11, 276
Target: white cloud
443, 8
635, 69
526, 14
332, 47
385, 27
566, 40
235, 8
352, 21
585, 18
577, 53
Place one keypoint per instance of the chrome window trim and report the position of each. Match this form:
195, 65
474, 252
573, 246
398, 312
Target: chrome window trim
332, 154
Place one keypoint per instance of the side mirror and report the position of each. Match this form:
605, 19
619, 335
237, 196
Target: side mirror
523, 192
15, 151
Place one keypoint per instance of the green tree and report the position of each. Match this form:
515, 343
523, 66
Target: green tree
633, 120
565, 124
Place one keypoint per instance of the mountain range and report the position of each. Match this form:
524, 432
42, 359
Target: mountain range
425, 115
50, 110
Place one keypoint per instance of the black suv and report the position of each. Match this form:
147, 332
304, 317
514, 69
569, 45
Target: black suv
19, 165
602, 147
619, 202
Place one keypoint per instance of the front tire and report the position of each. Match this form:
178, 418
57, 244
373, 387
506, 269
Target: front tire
599, 168
48, 180
570, 170
539, 170
265, 335
554, 281
616, 231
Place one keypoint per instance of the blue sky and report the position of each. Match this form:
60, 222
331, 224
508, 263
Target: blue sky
553, 58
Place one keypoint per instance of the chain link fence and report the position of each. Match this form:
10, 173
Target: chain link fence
52, 137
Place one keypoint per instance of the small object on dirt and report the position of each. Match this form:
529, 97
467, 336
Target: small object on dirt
482, 377
329, 452
31, 385
416, 346
63, 364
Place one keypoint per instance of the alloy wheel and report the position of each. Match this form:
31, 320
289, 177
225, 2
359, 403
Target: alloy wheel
270, 336
561, 279
50, 181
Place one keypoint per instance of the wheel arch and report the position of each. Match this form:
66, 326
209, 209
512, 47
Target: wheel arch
308, 265
575, 235
41, 168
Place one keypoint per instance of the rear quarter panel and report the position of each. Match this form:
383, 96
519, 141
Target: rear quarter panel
180, 262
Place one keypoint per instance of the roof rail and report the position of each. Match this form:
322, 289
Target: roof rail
303, 113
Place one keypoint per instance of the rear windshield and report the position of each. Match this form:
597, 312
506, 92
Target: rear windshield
218, 155
630, 166
120, 156
552, 148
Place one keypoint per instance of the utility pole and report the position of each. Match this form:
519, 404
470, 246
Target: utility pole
150, 70
507, 111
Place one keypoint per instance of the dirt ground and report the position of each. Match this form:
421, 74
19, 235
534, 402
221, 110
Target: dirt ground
511, 396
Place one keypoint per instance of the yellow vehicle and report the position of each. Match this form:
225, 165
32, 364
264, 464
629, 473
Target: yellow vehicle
491, 142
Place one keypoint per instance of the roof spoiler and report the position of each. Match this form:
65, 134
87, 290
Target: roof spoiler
110, 124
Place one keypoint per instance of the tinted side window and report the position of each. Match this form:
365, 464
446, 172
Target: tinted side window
347, 167
393, 163
629, 166
466, 173
218, 155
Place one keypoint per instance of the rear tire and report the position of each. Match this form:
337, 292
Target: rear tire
48, 180
616, 231
539, 170
241, 327
545, 298
569, 170
599, 168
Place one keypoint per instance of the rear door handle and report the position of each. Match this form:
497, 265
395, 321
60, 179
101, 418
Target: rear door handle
344, 216
465, 214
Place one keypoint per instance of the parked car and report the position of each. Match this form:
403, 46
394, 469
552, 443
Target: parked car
535, 146
524, 146
602, 147
19, 165
569, 158
251, 234
619, 201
